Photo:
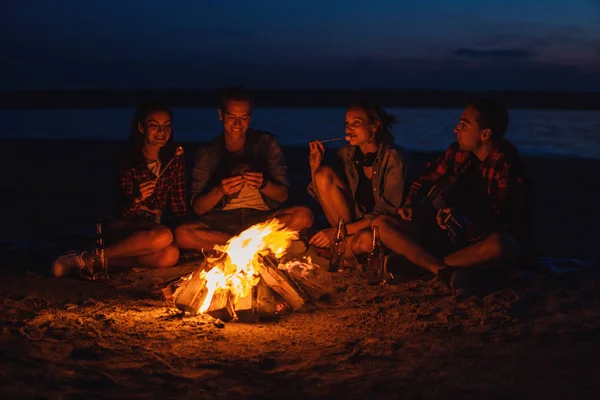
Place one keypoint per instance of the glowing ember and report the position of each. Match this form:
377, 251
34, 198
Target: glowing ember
236, 267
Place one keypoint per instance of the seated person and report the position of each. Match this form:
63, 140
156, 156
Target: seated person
239, 179
151, 174
482, 181
367, 179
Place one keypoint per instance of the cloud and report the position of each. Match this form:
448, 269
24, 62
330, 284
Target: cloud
503, 55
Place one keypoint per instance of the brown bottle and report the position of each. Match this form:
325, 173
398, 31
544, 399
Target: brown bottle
375, 257
100, 261
338, 248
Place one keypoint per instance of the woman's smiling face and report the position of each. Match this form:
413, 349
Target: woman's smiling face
156, 128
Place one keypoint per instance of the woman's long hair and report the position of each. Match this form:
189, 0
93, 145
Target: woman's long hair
136, 138
375, 113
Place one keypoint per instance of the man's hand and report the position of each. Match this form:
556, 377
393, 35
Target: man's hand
146, 190
316, 155
231, 185
323, 238
442, 217
254, 179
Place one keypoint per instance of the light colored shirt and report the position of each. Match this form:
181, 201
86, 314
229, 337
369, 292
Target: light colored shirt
247, 198
154, 167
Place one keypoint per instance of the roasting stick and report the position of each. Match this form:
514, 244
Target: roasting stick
332, 140
178, 152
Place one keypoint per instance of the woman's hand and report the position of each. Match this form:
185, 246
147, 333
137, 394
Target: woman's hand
323, 238
406, 211
316, 155
146, 190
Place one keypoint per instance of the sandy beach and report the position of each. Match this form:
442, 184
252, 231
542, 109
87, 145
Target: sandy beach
534, 335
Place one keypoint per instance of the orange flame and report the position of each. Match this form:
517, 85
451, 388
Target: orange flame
237, 267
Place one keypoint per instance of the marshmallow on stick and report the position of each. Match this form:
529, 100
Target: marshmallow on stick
178, 152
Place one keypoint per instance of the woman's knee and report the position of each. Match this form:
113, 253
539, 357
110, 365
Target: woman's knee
362, 241
324, 177
383, 221
160, 238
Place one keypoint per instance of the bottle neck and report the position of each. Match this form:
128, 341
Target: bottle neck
340, 229
375, 237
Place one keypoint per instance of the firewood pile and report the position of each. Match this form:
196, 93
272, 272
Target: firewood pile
281, 289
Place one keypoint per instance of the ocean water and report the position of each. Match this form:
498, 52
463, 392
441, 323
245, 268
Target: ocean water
551, 133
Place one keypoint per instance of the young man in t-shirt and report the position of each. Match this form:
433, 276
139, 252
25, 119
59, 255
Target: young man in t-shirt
239, 179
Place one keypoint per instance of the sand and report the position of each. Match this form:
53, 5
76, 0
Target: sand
536, 334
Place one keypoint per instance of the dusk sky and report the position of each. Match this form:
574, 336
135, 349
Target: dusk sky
414, 44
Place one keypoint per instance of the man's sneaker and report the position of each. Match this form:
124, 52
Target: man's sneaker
68, 264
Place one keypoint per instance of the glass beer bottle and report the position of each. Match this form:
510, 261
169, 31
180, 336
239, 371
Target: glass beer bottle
100, 261
375, 257
338, 248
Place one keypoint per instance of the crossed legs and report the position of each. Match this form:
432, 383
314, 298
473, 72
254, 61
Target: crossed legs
149, 245
199, 236
490, 252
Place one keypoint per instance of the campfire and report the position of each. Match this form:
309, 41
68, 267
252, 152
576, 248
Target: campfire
249, 277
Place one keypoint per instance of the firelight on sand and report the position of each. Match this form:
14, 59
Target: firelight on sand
236, 265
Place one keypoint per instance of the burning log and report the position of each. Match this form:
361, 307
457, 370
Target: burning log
221, 306
244, 279
245, 307
269, 304
277, 280
190, 295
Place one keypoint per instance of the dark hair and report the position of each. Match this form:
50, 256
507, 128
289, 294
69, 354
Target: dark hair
236, 93
492, 115
375, 113
136, 139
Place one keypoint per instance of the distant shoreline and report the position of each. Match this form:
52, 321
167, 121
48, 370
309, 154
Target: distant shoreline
429, 154
110, 98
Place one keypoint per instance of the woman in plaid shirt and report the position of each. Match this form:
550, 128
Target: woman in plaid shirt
151, 175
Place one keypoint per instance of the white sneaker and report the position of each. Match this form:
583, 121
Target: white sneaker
68, 264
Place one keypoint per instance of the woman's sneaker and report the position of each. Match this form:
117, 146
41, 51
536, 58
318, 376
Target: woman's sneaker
68, 264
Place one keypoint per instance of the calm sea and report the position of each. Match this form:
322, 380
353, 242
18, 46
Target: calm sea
554, 133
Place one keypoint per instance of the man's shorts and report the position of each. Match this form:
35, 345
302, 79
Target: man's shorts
424, 230
233, 222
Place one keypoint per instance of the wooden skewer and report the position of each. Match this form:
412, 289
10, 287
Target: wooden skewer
333, 140
178, 152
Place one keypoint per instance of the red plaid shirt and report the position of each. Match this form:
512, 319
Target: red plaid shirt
171, 187
503, 177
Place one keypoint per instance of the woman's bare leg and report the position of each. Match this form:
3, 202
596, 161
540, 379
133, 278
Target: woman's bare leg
166, 257
145, 241
332, 195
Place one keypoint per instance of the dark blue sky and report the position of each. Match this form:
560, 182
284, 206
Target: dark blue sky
423, 44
